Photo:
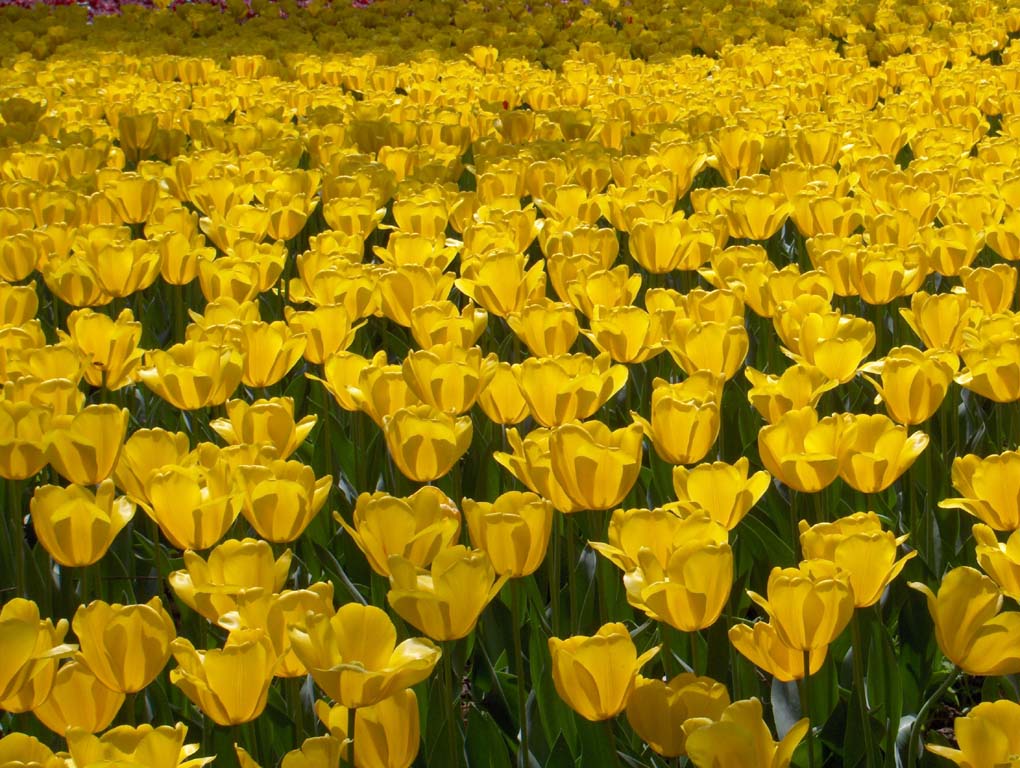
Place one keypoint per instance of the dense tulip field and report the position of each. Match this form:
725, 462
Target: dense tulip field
506, 385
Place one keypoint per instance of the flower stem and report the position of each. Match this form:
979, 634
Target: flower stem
352, 717
805, 707
861, 690
522, 691
611, 734
915, 730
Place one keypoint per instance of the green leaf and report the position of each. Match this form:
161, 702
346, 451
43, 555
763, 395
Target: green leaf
486, 747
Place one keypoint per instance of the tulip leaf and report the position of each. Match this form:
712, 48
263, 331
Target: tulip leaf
486, 745
559, 755
556, 718
785, 699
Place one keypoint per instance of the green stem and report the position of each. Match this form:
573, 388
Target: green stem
522, 692
611, 734
292, 688
861, 690
572, 573
668, 666
352, 717
554, 575
17, 519
453, 758
693, 639
913, 746
129, 708
805, 707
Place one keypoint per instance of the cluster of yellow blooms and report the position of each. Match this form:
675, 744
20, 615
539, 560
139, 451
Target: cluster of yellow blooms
559, 260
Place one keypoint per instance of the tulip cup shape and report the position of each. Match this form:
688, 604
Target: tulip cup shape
159, 747
658, 709
801, 450
513, 530
76, 525
969, 628
873, 451
426, 443
1000, 561
125, 646
79, 699
445, 601
386, 735
740, 738
989, 488
596, 675
596, 466
353, 655
988, 735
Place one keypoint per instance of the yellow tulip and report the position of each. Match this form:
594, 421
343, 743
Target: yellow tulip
76, 525
425, 443
31, 644
446, 376
594, 465
109, 346
79, 699
810, 605
548, 328
19, 750
531, 463
502, 282
913, 382
269, 350
873, 451
353, 655
990, 489
797, 387
723, 490
801, 450
125, 646
84, 448
264, 422
969, 627
1000, 561
716, 347
160, 747
615, 287
441, 322
939, 320
314, 752
410, 286
762, 645
657, 709
568, 387
513, 530
381, 389
230, 684
740, 738
145, 452
417, 527
282, 498
445, 601
993, 288
633, 530
193, 374
23, 429
684, 417
629, 334
988, 735
386, 735
212, 587
596, 675
861, 549
194, 506
500, 396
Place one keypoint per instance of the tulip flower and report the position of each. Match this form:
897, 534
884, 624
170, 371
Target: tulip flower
861, 549
269, 351
740, 738
441, 322
502, 282
1000, 561
531, 463
264, 421
278, 613
723, 490
939, 320
568, 387
629, 334
873, 451
230, 684
109, 346
445, 601
500, 396
762, 645
194, 506
315, 751
990, 489
657, 709
596, 675
548, 328
381, 390
79, 699
125, 646
282, 498
615, 287
160, 747
993, 369
446, 376
353, 655
84, 448
23, 429
19, 749
810, 605
513, 531
386, 735
801, 450
595, 466
969, 627
716, 347
631, 530
426, 443
145, 452
832, 342
32, 645
684, 417
993, 288
913, 382
327, 330
988, 735
410, 286
193, 374
76, 525
686, 586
